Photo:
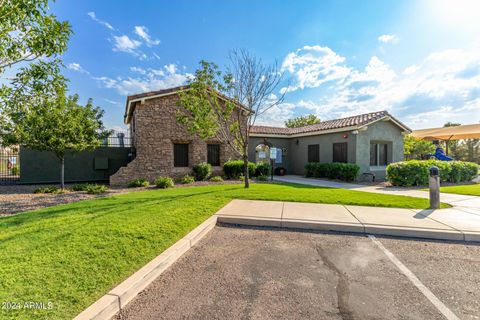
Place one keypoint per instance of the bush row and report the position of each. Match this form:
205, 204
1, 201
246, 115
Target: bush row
233, 169
334, 170
415, 172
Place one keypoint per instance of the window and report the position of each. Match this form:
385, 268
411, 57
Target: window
213, 154
180, 155
313, 153
378, 154
340, 152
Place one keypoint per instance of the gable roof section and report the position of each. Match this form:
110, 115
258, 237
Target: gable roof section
336, 125
132, 99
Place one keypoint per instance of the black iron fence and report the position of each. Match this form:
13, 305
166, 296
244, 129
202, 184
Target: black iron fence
9, 164
118, 138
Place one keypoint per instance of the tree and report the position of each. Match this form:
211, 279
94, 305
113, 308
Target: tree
28, 33
226, 104
51, 122
417, 149
302, 121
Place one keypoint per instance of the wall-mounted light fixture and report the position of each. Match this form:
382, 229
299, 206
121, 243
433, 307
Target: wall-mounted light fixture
297, 142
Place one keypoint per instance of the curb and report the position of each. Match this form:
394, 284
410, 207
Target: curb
360, 228
117, 298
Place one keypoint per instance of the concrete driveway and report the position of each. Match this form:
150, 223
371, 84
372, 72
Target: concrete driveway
244, 273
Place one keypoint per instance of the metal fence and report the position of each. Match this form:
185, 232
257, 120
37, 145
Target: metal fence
9, 164
118, 138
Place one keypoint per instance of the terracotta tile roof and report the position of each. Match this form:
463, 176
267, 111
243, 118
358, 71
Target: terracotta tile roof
354, 121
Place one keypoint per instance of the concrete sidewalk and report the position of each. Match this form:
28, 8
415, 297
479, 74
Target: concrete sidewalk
456, 200
445, 224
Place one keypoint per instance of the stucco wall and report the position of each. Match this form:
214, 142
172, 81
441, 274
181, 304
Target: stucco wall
382, 132
325, 141
358, 147
273, 142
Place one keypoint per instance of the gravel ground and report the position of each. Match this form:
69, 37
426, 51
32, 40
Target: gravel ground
245, 273
15, 199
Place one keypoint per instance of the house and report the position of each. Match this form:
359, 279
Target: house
371, 140
163, 147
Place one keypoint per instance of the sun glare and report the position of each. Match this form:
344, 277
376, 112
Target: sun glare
456, 12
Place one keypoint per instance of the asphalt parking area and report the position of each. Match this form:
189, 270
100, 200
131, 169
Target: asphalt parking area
254, 273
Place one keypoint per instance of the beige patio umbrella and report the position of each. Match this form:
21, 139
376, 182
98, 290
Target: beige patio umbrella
468, 131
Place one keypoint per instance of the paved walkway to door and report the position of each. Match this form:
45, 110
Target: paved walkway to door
456, 200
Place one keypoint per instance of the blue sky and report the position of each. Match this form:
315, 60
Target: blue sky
420, 59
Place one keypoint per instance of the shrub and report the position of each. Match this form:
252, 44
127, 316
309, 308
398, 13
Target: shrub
202, 171
262, 178
140, 182
80, 187
415, 172
187, 179
216, 179
164, 182
233, 169
90, 188
47, 189
96, 188
263, 169
335, 170
15, 171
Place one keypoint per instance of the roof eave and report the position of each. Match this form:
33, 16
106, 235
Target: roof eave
128, 115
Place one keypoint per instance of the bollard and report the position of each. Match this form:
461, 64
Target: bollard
434, 186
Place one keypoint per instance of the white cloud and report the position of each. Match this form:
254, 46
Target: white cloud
111, 101
444, 86
171, 68
388, 38
138, 70
276, 115
312, 66
77, 67
142, 32
124, 43
149, 80
103, 23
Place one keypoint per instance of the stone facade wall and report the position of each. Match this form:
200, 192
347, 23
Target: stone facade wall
154, 131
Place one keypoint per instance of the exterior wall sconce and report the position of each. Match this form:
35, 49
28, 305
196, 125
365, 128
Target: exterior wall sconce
297, 142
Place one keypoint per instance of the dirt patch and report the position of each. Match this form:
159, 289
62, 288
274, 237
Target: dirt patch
16, 199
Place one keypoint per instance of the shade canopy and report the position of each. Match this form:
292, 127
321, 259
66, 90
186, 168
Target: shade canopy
469, 131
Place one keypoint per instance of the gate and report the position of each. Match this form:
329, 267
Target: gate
9, 164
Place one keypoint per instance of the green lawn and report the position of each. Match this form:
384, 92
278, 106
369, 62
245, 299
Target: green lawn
472, 189
70, 255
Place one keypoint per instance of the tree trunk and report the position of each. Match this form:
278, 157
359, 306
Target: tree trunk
62, 173
245, 166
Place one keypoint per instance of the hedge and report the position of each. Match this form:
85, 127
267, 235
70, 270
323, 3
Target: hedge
415, 172
334, 170
233, 169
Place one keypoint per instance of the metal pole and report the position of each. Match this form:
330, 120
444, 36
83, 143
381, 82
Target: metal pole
271, 164
434, 187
